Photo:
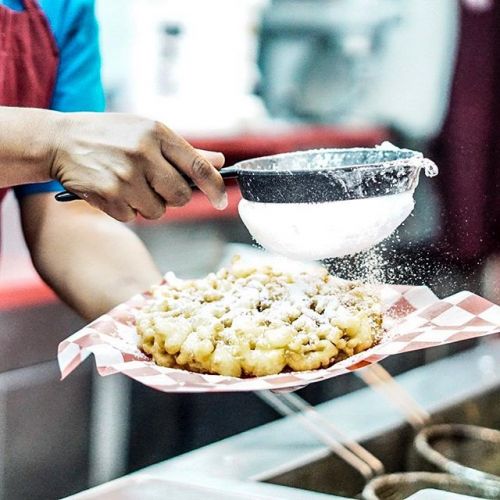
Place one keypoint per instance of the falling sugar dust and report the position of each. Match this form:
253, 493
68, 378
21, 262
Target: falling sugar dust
389, 263
376, 197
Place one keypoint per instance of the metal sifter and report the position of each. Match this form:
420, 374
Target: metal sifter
325, 203
330, 202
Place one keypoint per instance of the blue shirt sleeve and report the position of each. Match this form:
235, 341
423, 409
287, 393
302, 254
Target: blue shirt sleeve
78, 85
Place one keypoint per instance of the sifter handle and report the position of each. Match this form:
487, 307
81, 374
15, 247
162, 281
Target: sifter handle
226, 173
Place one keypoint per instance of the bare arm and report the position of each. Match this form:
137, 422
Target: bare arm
92, 261
26, 145
120, 163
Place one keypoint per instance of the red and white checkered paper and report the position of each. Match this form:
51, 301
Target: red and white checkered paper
416, 319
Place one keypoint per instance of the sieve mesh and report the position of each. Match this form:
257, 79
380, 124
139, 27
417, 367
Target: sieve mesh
325, 203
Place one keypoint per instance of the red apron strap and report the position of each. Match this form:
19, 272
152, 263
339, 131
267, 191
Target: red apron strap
28, 59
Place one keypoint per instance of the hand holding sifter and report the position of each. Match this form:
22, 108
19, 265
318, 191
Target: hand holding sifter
325, 203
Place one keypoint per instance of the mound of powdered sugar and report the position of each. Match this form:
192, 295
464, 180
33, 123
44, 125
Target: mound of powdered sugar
311, 231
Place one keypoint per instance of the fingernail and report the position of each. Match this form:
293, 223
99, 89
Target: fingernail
218, 160
222, 202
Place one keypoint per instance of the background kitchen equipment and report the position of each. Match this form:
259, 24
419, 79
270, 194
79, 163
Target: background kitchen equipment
379, 379
199, 58
467, 455
469, 452
459, 479
405, 484
359, 61
348, 450
324, 53
325, 203
281, 453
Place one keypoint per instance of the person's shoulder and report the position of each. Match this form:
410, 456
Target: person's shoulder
63, 15
65, 6
63, 11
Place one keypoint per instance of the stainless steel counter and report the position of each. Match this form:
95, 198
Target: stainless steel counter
237, 465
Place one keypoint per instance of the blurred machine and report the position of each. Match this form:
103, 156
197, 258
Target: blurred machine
359, 61
318, 56
189, 63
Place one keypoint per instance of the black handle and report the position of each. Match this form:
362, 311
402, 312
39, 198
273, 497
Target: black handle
66, 196
226, 173
229, 172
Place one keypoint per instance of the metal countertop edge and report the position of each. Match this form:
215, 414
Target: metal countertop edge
278, 446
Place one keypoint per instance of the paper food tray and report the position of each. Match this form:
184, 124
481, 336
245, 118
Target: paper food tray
416, 319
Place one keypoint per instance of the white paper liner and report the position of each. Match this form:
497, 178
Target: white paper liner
417, 319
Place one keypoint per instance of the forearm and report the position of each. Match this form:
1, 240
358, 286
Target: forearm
91, 261
120, 163
26, 144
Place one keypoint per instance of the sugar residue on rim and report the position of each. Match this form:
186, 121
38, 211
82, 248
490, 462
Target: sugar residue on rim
385, 155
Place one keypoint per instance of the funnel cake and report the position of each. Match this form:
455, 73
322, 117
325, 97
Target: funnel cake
248, 321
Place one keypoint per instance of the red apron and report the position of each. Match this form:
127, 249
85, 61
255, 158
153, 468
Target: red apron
28, 59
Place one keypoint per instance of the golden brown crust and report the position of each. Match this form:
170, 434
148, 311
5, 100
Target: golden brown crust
255, 321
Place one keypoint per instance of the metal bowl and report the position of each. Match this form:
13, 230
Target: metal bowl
469, 452
324, 175
403, 485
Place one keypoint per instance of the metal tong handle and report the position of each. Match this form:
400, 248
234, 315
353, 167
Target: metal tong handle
377, 377
350, 451
226, 173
